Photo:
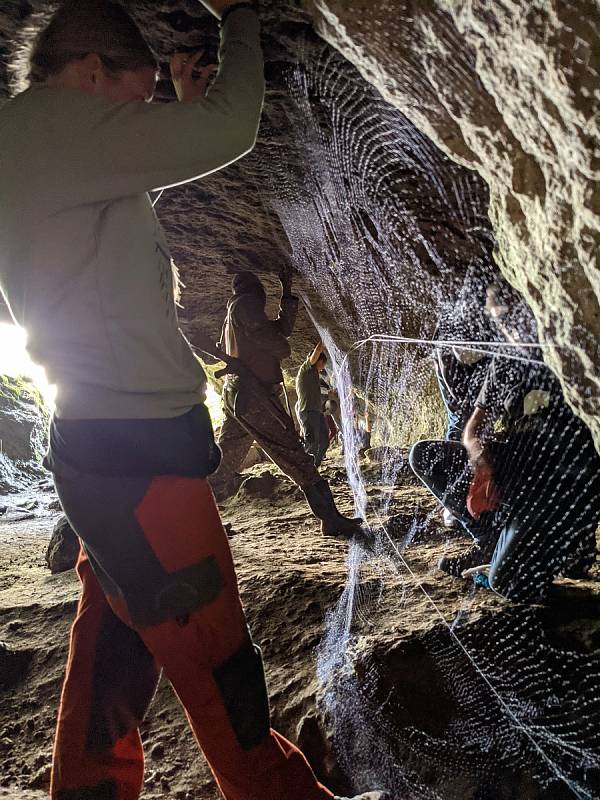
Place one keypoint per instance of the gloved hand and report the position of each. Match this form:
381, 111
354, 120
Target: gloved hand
233, 366
209, 348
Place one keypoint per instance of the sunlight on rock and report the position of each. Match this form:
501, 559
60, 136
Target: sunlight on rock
15, 361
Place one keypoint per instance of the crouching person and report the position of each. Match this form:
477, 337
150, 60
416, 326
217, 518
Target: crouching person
460, 373
443, 465
530, 483
544, 474
446, 470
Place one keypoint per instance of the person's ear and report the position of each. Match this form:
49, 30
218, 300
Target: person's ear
91, 70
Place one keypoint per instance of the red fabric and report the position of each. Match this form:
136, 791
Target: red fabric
182, 525
483, 494
72, 764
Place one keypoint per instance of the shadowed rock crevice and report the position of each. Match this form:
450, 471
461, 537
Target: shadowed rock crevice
13, 666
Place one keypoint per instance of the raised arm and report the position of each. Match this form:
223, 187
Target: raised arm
488, 407
314, 356
288, 306
105, 150
443, 360
473, 433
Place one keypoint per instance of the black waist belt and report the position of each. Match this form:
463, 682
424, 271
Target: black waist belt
183, 445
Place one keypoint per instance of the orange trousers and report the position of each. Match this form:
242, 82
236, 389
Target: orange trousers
159, 591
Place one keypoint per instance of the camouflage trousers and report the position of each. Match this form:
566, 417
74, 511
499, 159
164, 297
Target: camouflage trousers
253, 414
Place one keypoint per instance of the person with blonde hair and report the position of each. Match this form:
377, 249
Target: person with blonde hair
85, 269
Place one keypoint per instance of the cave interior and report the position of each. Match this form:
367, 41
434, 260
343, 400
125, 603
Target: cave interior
413, 159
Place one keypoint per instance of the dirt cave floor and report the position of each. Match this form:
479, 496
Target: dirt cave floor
290, 577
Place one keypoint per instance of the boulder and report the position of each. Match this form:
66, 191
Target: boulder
262, 486
255, 456
63, 549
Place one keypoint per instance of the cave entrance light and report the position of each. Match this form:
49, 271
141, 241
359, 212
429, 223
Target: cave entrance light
16, 362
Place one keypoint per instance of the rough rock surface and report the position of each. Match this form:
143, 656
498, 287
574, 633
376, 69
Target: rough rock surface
23, 423
510, 90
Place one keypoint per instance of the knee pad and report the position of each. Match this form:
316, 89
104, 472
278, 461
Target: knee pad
241, 682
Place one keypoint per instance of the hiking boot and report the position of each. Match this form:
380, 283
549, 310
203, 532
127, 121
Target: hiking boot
365, 796
319, 498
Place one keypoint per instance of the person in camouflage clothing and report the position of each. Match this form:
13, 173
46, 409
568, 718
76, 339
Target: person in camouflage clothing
253, 408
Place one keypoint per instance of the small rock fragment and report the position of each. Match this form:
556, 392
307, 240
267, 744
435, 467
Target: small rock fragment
157, 752
41, 778
262, 486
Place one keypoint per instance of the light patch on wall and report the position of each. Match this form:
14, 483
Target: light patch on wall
215, 406
15, 361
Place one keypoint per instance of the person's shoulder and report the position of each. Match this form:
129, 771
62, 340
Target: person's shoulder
247, 309
23, 126
41, 109
35, 97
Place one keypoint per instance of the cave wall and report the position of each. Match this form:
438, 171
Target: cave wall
509, 89
23, 434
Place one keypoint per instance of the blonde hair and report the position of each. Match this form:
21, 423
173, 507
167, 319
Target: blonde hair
69, 31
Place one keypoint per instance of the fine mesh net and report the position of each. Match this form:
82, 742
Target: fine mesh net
437, 686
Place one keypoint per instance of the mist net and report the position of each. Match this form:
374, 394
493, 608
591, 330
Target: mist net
474, 680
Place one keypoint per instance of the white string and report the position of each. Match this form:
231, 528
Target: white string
476, 346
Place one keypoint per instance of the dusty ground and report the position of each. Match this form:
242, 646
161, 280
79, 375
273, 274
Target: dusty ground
289, 578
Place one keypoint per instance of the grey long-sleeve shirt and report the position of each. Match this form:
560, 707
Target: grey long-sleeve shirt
84, 265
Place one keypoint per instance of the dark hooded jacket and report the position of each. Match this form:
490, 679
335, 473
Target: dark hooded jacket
248, 334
